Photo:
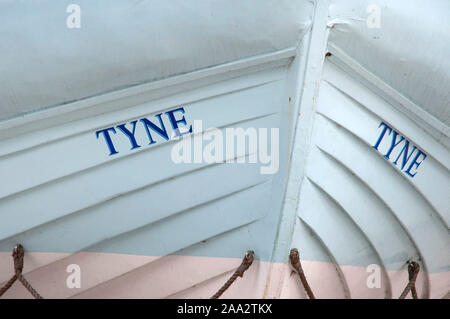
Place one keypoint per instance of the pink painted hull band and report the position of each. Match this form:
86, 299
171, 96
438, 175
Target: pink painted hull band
131, 276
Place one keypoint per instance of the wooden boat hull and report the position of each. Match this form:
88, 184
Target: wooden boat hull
359, 170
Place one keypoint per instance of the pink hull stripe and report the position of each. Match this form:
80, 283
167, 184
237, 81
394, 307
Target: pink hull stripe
131, 276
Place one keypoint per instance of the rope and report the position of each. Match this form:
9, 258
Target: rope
18, 254
246, 263
413, 272
294, 257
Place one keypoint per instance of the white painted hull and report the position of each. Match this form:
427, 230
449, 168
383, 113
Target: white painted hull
140, 225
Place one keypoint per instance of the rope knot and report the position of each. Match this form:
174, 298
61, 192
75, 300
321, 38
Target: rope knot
294, 257
413, 271
17, 255
246, 263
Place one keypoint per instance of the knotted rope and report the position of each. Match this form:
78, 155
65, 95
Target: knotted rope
246, 263
18, 254
413, 272
294, 257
